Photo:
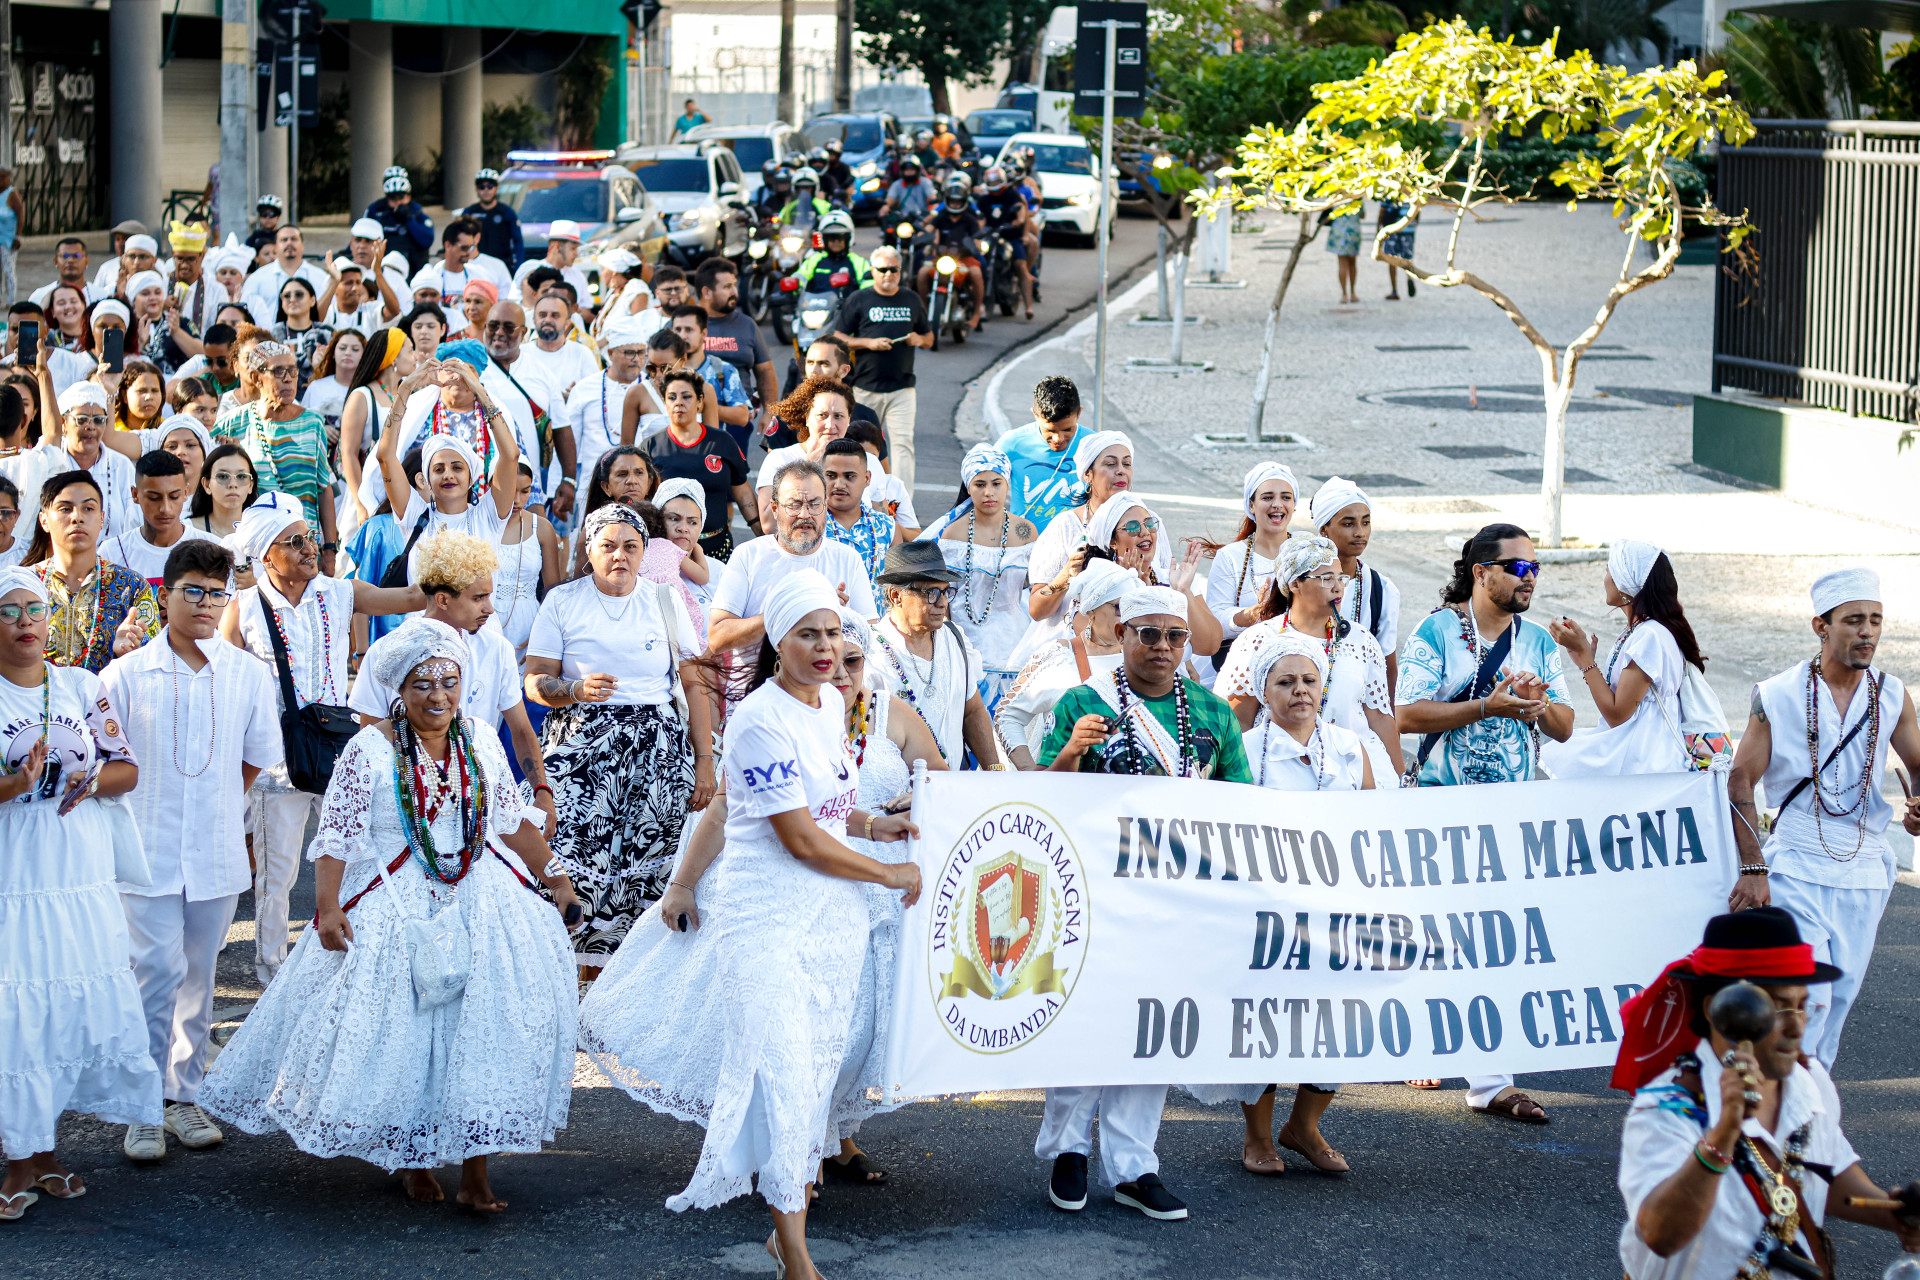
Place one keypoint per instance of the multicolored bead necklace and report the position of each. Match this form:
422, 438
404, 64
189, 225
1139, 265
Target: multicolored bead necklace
421, 786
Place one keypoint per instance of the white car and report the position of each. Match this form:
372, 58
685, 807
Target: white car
1069, 193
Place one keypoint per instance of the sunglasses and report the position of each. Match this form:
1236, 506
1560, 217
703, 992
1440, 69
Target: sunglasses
89, 419
501, 326
299, 542
32, 611
198, 595
1517, 567
1152, 636
1135, 528
233, 477
886, 271
934, 595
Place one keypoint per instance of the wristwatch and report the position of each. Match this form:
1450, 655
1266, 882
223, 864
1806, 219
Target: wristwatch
329, 546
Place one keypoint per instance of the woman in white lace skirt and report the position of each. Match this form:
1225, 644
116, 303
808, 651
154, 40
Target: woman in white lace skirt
744, 1024
989, 546
347, 1051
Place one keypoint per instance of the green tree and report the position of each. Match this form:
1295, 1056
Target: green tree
946, 40
1352, 146
579, 89
1801, 70
509, 126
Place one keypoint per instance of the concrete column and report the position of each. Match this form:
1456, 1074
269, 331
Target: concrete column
133, 60
460, 106
273, 160
370, 93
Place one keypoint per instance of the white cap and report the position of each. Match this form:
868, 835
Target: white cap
1830, 590
564, 229
348, 264
395, 261
366, 229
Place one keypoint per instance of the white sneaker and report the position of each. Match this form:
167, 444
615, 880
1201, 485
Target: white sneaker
194, 1127
145, 1142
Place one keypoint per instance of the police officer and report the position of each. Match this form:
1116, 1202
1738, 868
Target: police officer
268, 211
499, 224
408, 229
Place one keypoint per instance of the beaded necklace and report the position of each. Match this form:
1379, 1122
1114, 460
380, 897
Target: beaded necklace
1783, 1224
1246, 567
1872, 732
966, 574
483, 436
213, 722
1619, 647
325, 660
1489, 756
46, 711
1316, 752
861, 725
906, 686
1183, 724
519, 557
93, 637
421, 787
1331, 644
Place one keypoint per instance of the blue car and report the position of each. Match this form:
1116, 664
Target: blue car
866, 146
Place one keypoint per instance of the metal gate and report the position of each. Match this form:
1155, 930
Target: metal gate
55, 171
1830, 316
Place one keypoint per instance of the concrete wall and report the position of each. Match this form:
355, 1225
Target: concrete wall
190, 125
1866, 467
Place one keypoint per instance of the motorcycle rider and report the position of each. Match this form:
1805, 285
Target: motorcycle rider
837, 174
776, 188
836, 233
1005, 214
1027, 183
910, 195
806, 208
956, 228
946, 143
923, 150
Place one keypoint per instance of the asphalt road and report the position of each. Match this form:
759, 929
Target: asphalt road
1435, 1191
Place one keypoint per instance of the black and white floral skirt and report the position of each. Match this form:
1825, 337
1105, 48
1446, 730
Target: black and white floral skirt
621, 778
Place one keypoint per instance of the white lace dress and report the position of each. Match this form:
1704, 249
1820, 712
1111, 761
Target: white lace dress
1025, 714
742, 1025
337, 1055
861, 1089
1356, 684
992, 606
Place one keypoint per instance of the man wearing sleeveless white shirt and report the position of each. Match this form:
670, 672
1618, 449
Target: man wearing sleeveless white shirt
799, 541
1827, 859
313, 614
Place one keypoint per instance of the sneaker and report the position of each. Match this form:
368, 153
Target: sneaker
145, 1142
1147, 1194
194, 1127
1068, 1187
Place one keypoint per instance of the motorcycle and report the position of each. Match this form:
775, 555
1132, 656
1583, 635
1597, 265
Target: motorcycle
906, 238
760, 279
787, 252
947, 309
814, 315
1001, 274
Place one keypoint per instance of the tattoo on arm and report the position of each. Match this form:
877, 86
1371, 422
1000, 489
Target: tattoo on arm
1759, 711
554, 691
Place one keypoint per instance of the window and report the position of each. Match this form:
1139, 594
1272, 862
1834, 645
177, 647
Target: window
1053, 158
678, 173
750, 152
855, 135
545, 199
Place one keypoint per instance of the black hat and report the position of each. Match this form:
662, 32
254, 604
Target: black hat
915, 562
1761, 929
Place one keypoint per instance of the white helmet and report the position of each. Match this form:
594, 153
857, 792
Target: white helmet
396, 179
806, 174
836, 223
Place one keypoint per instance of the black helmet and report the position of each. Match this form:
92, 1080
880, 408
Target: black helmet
817, 156
782, 177
767, 169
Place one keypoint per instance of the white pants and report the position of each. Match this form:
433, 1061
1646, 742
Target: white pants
1129, 1126
1482, 1090
176, 944
279, 841
1840, 925
896, 411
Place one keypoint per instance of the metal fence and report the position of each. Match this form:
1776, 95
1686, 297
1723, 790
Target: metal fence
1830, 313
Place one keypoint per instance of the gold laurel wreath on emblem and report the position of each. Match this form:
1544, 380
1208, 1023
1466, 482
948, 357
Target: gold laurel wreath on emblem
1036, 974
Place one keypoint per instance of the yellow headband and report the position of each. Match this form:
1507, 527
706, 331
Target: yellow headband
395, 340
188, 237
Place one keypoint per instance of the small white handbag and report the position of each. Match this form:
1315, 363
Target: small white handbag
129, 850
441, 951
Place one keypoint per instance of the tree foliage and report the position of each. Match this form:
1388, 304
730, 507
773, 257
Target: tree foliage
946, 40
1801, 70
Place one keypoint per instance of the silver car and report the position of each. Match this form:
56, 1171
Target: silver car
698, 188
752, 146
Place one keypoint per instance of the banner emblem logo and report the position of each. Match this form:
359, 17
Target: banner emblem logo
1010, 929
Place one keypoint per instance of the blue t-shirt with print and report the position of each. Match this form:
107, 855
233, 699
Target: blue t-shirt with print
1436, 662
1043, 481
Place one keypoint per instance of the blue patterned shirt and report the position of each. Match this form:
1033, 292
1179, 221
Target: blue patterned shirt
1436, 663
870, 536
725, 380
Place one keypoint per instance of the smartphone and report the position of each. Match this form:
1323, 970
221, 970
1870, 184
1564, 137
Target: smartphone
29, 343
114, 349
572, 914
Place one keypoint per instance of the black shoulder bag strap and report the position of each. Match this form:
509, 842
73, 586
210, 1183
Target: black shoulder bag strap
1482, 683
1377, 597
1832, 755
395, 574
289, 700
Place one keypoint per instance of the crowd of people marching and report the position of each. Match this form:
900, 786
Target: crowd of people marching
446, 553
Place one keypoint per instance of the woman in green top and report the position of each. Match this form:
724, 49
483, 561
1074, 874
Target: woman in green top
287, 442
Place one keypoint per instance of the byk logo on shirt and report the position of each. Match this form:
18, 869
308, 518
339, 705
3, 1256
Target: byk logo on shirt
759, 776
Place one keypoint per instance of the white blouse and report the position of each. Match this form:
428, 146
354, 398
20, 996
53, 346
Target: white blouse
1333, 759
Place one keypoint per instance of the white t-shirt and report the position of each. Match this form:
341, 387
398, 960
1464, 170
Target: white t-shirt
134, 551
451, 284
783, 755
762, 562
366, 317
481, 519
777, 459
558, 370
572, 275
586, 631
261, 293
490, 684
327, 397
888, 492
593, 411
489, 268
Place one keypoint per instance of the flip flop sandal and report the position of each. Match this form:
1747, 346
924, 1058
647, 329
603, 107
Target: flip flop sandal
859, 1171
14, 1207
46, 1180
1428, 1083
1318, 1161
1509, 1108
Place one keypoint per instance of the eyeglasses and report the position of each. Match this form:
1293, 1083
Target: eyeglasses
501, 326
235, 478
1135, 528
33, 611
1517, 567
220, 362
9, 513
935, 596
298, 542
1152, 636
1324, 579
810, 507
71, 255
88, 419
196, 595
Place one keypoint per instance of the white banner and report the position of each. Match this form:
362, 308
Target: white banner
1080, 930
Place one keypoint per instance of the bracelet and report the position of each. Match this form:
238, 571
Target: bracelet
1700, 1150
703, 755
1755, 869
1714, 1152
538, 787
1589, 667
573, 690
1483, 708
869, 834
676, 884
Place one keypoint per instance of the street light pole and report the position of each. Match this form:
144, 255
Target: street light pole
1100, 230
236, 115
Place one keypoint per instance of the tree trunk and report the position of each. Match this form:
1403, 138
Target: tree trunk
1553, 457
843, 55
937, 90
785, 107
1261, 380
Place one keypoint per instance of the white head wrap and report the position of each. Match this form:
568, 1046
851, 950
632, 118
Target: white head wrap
444, 442
1101, 582
230, 254
262, 354
854, 629
625, 331
794, 597
1259, 475
271, 515
1301, 554
143, 280
600, 517
186, 422
416, 641
1831, 590
1106, 520
1144, 601
618, 260
1335, 496
984, 457
395, 261
1094, 445
82, 393
1629, 561
148, 243
366, 229
13, 578
112, 307
1286, 644
682, 488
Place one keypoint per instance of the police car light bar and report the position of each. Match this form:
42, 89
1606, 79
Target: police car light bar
561, 157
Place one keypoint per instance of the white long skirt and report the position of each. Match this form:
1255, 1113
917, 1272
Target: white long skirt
860, 1093
742, 1026
73, 1035
337, 1055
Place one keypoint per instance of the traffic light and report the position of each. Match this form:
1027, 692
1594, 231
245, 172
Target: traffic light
641, 13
